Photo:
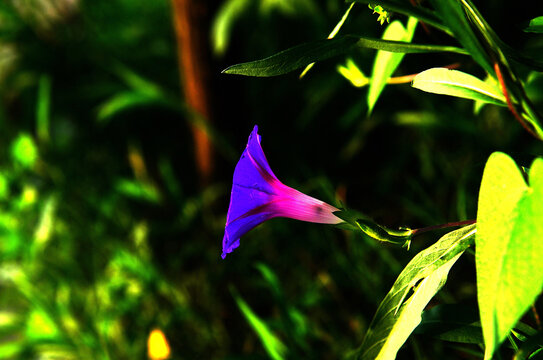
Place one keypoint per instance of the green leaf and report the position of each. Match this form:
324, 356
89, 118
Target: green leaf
43, 108
138, 190
400, 312
331, 36
385, 62
457, 83
509, 257
305, 54
535, 25
452, 322
40, 326
454, 17
273, 346
24, 151
352, 72
226, 16
126, 100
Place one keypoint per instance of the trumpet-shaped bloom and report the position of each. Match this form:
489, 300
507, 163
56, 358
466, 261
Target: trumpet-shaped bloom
257, 195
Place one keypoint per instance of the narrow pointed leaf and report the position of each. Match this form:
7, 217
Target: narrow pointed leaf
331, 35
509, 256
385, 62
400, 312
302, 55
455, 19
457, 83
273, 346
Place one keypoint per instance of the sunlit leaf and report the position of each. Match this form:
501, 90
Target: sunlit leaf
272, 344
400, 312
226, 16
535, 25
457, 83
352, 72
4, 187
331, 35
509, 257
10, 349
39, 326
305, 54
24, 151
45, 226
385, 63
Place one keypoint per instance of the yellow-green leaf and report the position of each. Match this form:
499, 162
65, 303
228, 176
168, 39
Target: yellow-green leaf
509, 252
457, 83
400, 312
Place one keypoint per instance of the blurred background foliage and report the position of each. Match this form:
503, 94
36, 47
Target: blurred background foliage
107, 232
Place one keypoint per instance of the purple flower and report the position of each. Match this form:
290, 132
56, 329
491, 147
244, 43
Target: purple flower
257, 195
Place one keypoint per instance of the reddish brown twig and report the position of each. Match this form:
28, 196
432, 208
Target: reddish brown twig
505, 93
442, 226
189, 19
408, 78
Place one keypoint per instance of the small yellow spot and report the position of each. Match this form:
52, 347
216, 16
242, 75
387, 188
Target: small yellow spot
29, 195
157, 345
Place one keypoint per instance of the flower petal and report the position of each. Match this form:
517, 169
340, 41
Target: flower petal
253, 187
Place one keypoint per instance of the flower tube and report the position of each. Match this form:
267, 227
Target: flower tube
257, 195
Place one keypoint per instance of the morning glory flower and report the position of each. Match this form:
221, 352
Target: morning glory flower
257, 195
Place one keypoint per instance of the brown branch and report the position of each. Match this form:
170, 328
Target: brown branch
189, 20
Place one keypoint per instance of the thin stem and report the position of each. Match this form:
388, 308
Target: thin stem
408, 78
536, 316
442, 226
509, 102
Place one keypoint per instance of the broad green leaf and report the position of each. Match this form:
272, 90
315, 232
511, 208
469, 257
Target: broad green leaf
400, 312
305, 54
273, 346
509, 257
452, 322
454, 17
457, 83
385, 62
535, 25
